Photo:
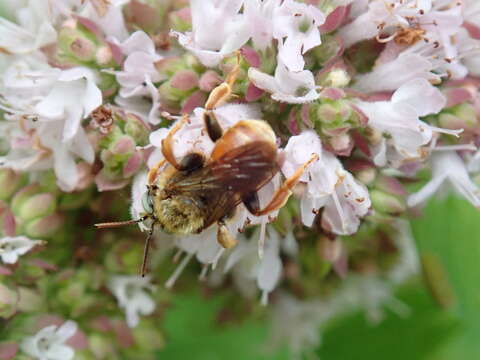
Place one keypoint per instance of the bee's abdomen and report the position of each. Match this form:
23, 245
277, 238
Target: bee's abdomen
243, 133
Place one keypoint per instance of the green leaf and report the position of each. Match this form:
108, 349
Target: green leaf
449, 232
192, 333
414, 337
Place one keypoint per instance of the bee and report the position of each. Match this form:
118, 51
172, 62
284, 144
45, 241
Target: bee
192, 194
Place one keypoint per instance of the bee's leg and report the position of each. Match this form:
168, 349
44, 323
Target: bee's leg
222, 92
217, 97
191, 162
167, 143
214, 130
152, 173
282, 194
251, 202
224, 237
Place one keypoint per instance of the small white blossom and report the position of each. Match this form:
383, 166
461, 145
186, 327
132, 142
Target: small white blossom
294, 87
133, 295
49, 342
447, 165
138, 76
112, 23
390, 15
295, 26
11, 248
260, 17
218, 29
328, 186
73, 97
389, 76
139, 65
346, 206
248, 266
398, 121
46, 106
33, 30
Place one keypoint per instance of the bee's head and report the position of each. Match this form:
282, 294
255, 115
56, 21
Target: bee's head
147, 202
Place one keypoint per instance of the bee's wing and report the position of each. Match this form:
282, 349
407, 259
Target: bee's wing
246, 168
222, 182
243, 169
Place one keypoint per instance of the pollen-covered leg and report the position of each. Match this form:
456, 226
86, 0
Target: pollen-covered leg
153, 172
217, 97
282, 194
167, 143
224, 237
222, 92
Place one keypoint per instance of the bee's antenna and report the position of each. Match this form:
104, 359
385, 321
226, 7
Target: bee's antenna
146, 250
120, 223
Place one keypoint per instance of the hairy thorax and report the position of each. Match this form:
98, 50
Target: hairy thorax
178, 215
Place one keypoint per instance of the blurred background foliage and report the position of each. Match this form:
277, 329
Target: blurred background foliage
444, 320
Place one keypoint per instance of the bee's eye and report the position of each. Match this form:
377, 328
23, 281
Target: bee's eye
147, 202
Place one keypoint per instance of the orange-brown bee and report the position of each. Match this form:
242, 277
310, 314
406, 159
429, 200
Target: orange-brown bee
190, 195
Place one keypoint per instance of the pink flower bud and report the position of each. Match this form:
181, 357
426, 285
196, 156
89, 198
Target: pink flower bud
209, 80
253, 93
104, 55
7, 220
8, 350
328, 249
133, 165
197, 99
83, 49
184, 80
124, 145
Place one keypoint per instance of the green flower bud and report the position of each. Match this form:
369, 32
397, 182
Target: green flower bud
461, 116
39, 205
8, 301
44, 227
74, 46
332, 114
23, 195
172, 97
10, 182
124, 257
169, 66
336, 78
180, 21
137, 129
147, 336
329, 48
29, 300
84, 355
75, 200
387, 203
102, 347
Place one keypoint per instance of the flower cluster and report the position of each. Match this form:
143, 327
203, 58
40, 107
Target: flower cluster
373, 96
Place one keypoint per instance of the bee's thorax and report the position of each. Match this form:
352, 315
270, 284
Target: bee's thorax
178, 215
